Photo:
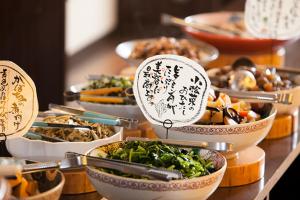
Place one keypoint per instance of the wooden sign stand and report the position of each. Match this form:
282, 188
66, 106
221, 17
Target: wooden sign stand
246, 167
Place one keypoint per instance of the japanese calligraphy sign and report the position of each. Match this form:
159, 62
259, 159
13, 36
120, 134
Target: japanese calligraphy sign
18, 100
277, 19
172, 88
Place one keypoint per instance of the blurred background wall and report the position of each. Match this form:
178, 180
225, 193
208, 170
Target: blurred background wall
87, 22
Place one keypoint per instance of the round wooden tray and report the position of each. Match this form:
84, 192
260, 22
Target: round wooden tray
284, 125
275, 58
77, 182
144, 130
247, 167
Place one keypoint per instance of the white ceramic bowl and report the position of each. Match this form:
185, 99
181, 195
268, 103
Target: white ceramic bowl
53, 182
50, 182
5, 189
39, 150
115, 187
127, 111
125, 49
281, 108
241, 136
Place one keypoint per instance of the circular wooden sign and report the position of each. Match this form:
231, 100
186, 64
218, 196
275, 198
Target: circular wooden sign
273, 19
18, 100
171, 90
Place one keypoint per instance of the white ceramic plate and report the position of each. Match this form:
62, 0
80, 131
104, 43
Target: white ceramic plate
124, 50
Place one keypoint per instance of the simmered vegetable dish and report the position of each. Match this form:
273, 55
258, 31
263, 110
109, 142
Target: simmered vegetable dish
155, 153
222, 110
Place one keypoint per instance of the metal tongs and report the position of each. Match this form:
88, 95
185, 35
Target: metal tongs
96, 117
81, 96
167, 19
217, 146
256, 97
37, 124
75, 160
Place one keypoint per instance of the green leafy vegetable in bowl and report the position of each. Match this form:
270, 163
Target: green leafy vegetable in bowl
110, 81
155, 153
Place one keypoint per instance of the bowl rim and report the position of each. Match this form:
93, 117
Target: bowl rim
272, 114
227, 130
48, 192
211, 56
219, 171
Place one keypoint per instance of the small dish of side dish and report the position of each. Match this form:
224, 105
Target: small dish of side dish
135, 51
37, 148
44, 185
202, 171
113, 101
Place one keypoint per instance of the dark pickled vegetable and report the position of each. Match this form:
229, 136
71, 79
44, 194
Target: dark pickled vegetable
232, 114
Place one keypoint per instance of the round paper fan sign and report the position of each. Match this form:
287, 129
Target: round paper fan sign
171, 89
18, 101
276, 19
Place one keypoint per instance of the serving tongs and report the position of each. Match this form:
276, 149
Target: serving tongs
216, 146
246, 63
39, 135
88, 96
258, 97
169, 19
74, 160
96, 117
57, 125
39, 124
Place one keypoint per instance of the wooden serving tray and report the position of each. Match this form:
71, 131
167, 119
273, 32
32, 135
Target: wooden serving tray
246, 168
284, 125
77, 182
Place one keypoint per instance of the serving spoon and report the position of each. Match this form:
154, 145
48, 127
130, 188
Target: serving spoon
246, 63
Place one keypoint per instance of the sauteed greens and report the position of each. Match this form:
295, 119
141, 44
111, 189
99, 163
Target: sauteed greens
155, 153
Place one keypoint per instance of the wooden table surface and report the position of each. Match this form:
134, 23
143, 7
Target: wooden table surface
280, 154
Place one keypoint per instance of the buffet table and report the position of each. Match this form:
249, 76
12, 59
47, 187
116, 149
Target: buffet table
280, 154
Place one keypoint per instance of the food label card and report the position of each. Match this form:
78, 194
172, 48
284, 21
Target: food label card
18, 100
278, 19
172, 89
